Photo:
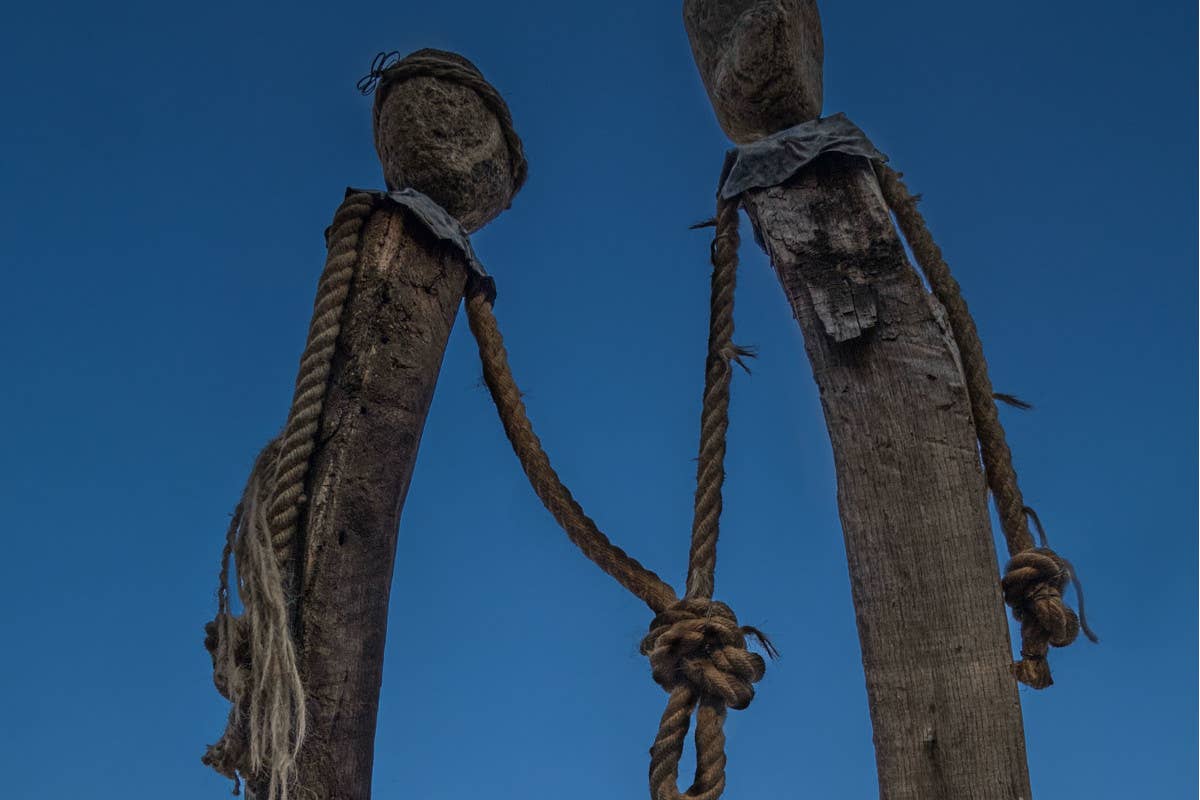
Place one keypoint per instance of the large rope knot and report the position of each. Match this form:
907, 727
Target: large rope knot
698, 653
1033, 586
699, 643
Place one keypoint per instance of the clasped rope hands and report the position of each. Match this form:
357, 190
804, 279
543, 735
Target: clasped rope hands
698, 654
696, 648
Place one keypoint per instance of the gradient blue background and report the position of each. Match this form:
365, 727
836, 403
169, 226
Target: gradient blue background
168, 171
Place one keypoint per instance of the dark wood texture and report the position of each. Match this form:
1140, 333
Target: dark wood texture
923, 571
396, 324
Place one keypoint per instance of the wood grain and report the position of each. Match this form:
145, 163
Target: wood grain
913, 504
394, 334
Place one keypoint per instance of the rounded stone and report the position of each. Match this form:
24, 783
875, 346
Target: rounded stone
440, 138
760, 60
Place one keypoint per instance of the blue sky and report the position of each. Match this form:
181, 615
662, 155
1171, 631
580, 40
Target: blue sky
169, 171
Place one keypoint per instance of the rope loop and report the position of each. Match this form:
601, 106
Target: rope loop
698, 654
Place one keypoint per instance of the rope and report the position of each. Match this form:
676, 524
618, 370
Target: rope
299, 438
255, 663
1034, 577
254, 658
497, 374
697, 649
698, 654
388, 69
714, 415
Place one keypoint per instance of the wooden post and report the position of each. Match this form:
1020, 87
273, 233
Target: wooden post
439, 137
923, 571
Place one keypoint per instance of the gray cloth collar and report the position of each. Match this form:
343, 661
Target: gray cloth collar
774, 159
444, 227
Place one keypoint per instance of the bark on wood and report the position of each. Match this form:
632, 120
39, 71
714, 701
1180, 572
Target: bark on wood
394, 332
923, 571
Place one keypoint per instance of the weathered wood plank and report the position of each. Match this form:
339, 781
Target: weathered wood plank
398, 320
442, 130
923, 571
913, 505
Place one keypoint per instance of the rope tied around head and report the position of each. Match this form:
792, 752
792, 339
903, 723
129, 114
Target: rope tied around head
1034, 577
696, 648
388, 68
1033, 585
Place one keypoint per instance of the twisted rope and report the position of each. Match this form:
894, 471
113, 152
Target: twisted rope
1034, 578
580, 529
255, 663
388, 69
696, 648
714, 415
299, 438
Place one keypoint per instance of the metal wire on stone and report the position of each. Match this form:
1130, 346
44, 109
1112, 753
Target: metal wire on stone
379, 64
1034, 577
497, 374
255, 663
696, 648
698, 654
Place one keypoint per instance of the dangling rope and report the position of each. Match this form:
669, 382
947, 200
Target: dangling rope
255, 661
1035, 576
697, 649
714, 416
299, 438
497, 374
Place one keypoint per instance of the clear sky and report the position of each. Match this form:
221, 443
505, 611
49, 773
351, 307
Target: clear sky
168, 172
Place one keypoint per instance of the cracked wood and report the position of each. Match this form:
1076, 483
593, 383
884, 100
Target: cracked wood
394, 333
923, 572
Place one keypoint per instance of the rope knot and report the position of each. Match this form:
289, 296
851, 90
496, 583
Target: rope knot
1033, 586
699, 644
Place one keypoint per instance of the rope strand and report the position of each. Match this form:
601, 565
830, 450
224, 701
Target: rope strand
557, 498
255, 659
299, 439
714, 416
696, 647
1034, 577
